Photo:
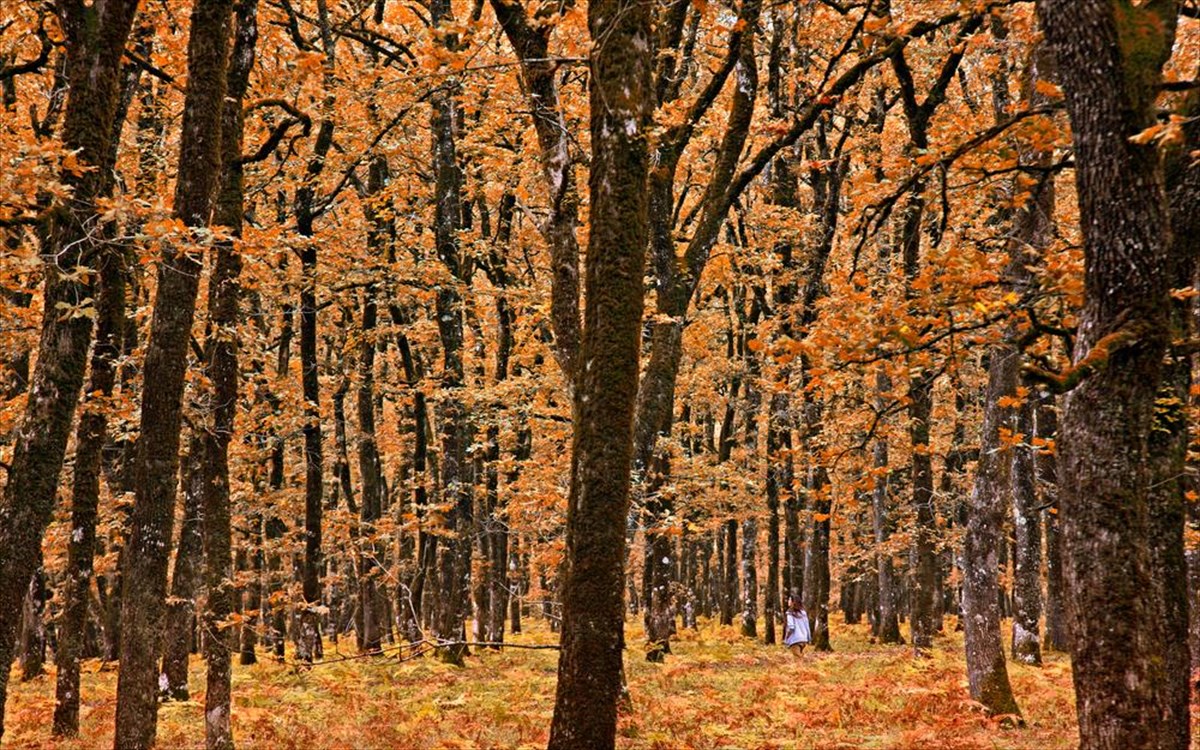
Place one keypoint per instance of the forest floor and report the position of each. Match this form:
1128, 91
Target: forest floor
718, 690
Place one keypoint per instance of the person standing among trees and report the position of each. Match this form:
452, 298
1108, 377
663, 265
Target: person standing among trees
796, 632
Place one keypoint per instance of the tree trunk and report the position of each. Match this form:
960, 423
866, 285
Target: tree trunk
1047, 466
776, 479
455, 561
143, 598
90, 437
186, 578
793, 541
660, 617
222, 372
888, 624
1027, 561
95, 41
749, 618
33, 626
1168, 448
369, 465
309, 646
1124, 330
589, 671
921, 378
924, 555
253, 596
987, 671
816, 565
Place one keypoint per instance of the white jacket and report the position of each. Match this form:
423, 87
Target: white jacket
797, 630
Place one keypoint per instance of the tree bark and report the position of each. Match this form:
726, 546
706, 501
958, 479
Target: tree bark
1110, 57
454, 564
309, 646
95, 38
987, 671
33, 626
221, 370
369, 465
1027, 560
816, 564
186, 578
888, 628
1168, 446
90, 437
143, 599
589, 671
777, 480
1047, 466
530, 39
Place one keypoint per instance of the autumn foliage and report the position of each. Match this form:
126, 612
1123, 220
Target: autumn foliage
870, 310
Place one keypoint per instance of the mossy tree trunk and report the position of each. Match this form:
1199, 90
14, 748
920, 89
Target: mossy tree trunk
143, 600
590, 668
94, 38
1109, 58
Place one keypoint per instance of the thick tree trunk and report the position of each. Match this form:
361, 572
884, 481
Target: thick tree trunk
1119, 675
95, 41
91, 435
143, 600
590, 670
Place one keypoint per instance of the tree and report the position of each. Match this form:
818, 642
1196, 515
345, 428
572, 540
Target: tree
221, 367
1110, 58
95, 37
143, 598
589, 671
91, 434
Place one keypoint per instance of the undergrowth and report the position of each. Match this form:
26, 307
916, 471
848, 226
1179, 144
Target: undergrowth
717, 690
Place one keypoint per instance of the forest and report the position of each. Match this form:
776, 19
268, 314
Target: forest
599, 373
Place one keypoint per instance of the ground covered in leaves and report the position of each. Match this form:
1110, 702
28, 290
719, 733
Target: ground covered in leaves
717, 690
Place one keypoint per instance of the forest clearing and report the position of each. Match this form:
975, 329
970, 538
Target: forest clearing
808, 372
720, 691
